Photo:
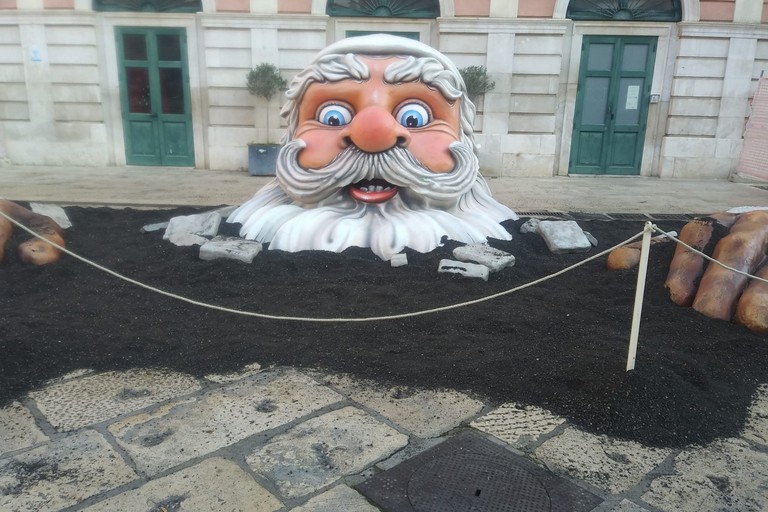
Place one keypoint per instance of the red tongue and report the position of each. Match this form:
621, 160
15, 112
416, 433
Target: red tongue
372, 197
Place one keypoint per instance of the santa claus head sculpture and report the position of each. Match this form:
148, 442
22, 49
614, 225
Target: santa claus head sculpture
379, 153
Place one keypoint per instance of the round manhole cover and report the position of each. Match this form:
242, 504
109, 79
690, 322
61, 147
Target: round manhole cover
477, 483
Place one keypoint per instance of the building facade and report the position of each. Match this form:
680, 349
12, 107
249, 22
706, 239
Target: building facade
626, 88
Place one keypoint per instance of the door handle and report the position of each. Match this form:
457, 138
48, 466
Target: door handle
153, 114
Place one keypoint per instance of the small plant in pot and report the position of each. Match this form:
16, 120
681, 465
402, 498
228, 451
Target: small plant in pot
264, 81
477, 81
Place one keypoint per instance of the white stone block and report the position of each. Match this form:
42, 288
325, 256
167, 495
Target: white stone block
701, 47
324, 449
534, 103
688, 147
530, 226
424, 413
189, 229
611, 465
174, 433
694, 107
537, 64
18, 428
700, 67
230, 248
539, 45
157, 226
339, 498
213, 484
62, 473
483, 254
728, 474
527, 123
518, 425
56, 213
399, 260
464, 269
76, 403
563, 236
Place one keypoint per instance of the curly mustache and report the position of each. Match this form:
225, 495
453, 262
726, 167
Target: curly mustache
418, 185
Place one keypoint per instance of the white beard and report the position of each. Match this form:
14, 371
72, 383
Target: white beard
310, 209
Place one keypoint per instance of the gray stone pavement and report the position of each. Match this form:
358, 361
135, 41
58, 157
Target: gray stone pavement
172, 186
279, 439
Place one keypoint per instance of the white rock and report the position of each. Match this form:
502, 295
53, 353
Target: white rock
190, 229
151, 228
56, 213
463, 268
563, 236
591, 238
530, 226
483, 254
399, 260
230, 248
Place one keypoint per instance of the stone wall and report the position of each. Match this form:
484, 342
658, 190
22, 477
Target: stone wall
60, 101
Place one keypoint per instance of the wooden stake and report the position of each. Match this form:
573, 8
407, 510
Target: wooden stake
642, 270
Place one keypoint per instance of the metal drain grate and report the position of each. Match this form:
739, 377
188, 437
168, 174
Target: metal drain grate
670, 216
470, 473
629, 216
559, 215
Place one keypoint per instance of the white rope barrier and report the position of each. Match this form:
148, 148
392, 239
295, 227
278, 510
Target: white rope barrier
320, 319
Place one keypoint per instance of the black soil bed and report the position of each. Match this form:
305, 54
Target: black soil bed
560, 345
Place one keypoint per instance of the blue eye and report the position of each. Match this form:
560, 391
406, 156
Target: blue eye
413, 115
334, 115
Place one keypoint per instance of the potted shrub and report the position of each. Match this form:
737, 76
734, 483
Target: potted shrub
477, 81
264, 81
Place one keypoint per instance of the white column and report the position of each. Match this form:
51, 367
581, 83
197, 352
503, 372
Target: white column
503, 9
737, 84
748, 11
264, 6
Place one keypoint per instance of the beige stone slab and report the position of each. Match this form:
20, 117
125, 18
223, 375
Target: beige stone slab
61, 473
214, 484
18, 428
726, 476
424, 413
609, 464
517, 425
321, 450
756, 428
628, 506
340, 498
75, 403
178, 432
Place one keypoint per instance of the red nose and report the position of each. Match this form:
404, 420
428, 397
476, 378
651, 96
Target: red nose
374, 130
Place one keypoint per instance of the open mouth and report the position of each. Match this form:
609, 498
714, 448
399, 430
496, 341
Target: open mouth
373, 191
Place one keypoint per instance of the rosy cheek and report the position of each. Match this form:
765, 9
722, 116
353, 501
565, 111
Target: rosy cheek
322, 147
432, 151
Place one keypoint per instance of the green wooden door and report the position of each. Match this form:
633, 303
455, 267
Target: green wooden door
612, 104
154, 94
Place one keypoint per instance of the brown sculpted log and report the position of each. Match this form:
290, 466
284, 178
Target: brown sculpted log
743, 249
6, 228
628, 256
687, 267
35, 251
752, 310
